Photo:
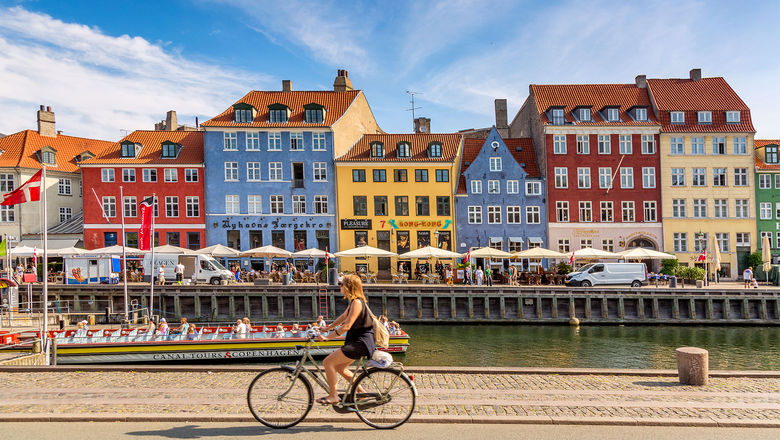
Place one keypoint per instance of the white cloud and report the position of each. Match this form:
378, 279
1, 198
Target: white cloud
98, 84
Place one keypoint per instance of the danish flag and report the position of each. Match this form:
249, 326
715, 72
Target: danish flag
29, 192
702, 256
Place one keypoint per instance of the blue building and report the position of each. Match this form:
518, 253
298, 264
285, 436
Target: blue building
270, 177
500, 197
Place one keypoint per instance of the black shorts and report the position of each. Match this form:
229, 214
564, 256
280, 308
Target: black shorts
355, 350
179, 276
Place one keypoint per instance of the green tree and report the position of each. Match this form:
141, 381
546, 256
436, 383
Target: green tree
755, 260
668, 266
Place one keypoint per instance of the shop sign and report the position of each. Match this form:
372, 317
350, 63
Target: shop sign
278, 222
356, 223
427, 223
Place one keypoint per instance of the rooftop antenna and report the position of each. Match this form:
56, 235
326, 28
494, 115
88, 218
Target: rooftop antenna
412, 93
125, 131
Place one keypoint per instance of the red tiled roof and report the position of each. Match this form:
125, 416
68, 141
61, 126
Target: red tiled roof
21, 150
335, 104
708, 94
361, 151
760, 164
472, 147
151, 150
595, 96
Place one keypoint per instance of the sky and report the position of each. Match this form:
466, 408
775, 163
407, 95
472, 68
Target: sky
111, 67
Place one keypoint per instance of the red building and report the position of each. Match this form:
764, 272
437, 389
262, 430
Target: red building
168, 164
598, 145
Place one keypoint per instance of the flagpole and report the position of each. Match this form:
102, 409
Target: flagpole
45, 334
124, 253
151, 265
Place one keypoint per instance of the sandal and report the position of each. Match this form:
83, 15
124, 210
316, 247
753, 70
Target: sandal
325, 401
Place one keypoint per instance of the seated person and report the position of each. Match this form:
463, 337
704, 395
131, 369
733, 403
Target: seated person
279, 333
192, 333
296, 331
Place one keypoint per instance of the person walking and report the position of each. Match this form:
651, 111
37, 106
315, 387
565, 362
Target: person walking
480, 275
467, 278
179, 270
488, 275
448, 275
747, 275
161, 275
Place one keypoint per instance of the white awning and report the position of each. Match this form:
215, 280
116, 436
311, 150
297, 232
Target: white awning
53, 243
535, 240
516, 239
496, 239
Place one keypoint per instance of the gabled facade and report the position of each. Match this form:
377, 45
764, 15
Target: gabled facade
269, 165
500, 200
767, 187
166, 164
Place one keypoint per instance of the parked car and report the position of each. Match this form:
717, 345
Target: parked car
633, 274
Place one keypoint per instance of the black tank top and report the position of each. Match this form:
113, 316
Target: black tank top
362, 330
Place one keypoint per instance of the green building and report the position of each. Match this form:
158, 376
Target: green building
768, 195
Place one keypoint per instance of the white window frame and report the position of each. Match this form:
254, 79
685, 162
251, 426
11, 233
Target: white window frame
627, 177
562, 211
605, 177
721, 208
230, 141
146, 174
320, 204
583, 144
678, 176
679, 208
627, 211
741, 176
171, 201
318, 142
274, 141
232, 204
253, 172
607, 211
475, 215
605, 144
276, 204
613, 114
740, 144
107, 175
494, 186
191, 175
583, 177
626, 144
296, 141
476, 187
676, 146
253, 141
717, 173
677, 117
130, 206
533, 188
231, 171
764, 181
585, 211
719, 146
648, 177
765, 210
320, 172
275, 171
641, 114
742, 205
254, 204
171, 175
496, 164
699, 177
559, 144
699, 208
513, 187
533, 215
299, 203
128, 175
192, 206
66, 213
561, 177
704, 117
648, 144
64, 187
698, 145
680, 240
650, 211
494, 214
733, 117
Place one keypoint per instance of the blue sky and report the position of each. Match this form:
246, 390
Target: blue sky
120, 65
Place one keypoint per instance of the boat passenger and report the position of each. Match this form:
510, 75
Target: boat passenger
321, 321
279, 333
239, 330
394, 328
248, 325
163, 329
182, 327
192, 334
383, 320
82, 330
296, 331
150, 328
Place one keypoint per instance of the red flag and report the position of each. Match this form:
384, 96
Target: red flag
703, 256
571, 259
145, 233
35, 256
29, 192
468, 255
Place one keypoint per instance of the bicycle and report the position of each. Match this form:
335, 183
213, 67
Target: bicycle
282, 397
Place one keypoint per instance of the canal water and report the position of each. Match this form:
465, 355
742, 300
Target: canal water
730, 348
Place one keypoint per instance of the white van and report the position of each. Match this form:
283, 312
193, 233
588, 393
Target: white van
633, 274
198, 268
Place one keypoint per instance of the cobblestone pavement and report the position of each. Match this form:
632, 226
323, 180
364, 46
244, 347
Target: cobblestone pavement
462, 397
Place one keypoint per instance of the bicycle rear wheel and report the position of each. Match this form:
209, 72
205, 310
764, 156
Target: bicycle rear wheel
278, 399
388, 399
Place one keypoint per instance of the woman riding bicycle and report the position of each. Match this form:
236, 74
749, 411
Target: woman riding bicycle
357, 324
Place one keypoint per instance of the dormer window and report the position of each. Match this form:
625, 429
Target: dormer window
315, 113
434, 149
771, 154
705, 117
557, 116
170, 150
678, 117
584, 115
130, 149
48, 156
640, 114
613, 114
404, 149
244, 113
377, 150
278, 113
84, 156
732, 117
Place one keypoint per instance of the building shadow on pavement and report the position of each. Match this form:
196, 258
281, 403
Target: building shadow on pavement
196, 431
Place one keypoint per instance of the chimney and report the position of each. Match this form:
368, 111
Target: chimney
342, 82
696, 74
46, 122
501, 118
641, 81
422, 125
286, 85
171, 123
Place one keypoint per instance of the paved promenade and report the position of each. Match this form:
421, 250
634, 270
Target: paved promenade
460, 396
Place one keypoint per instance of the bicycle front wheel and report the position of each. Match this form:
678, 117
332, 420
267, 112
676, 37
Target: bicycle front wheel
387, 399
279, 399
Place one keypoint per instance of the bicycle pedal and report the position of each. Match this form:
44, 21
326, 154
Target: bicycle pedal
343, 409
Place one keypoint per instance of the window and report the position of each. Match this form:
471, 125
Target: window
513, 214
583, 144
399, 175
718, 145
106, 174
380, 175
442, 205
230, 142
130, 207
740, 176
476, 187
320, 171
63, 187
442, 175
318, 142
586, 243
765, 211
680, 242
699, 177
190, 174
764, 181
515, 246
277, 204
404, 149
296, 141
771, 154
299, 204
626, 177
274, 142
128, 175
719, 176
495, 164
607, 214
377, 149
277, 115
699, 208
231, 172
314, 115
777, 181
605, 145
763, 234
494, 186
494, 214
608, 245
242, 115
559, 144
743, 239
732, 117
562, 211
741, 208
651, 214
533, 188
192, 204
740, 145
648, 144
561, 177
557, 116
172, 174
420, 175
585, 114
275, 171
232, 204
65, 214
564, 245
678, 176
512, 187
677, 145
475, 215
626, 146
704, 117
678, 208
253, 141
640, 113
402, 205
701, 242
723, 241
422, 207
613, 114
586, 211
434, 149
697, 145
722, 208
254, 204
49, 158
359, 205
605, 177
320, 204
172, 206
149, 175
648, 177
583, 178
128, 149
170, 150
193, 240
678, 117
533, 215
627, 211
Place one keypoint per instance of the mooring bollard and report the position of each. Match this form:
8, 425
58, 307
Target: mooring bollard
693, 365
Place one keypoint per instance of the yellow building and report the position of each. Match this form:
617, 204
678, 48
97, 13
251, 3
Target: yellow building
707, 170
395, 192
